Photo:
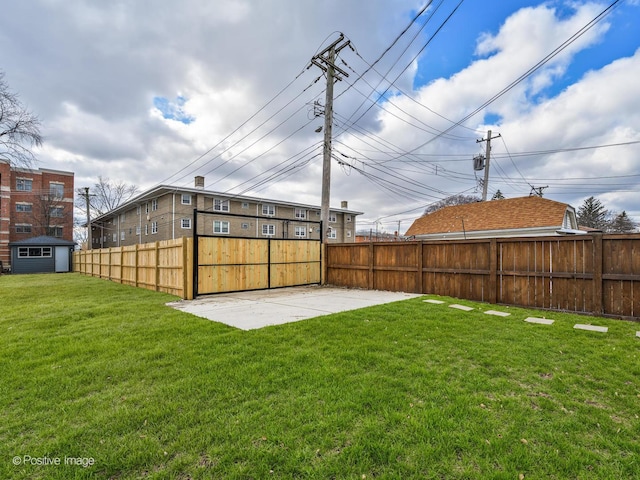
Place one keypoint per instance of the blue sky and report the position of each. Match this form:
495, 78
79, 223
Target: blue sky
159, 95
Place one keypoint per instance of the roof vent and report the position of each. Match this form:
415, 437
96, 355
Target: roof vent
344, 204
199, 182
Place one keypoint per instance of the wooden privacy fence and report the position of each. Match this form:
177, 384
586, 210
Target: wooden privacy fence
596, 274
236, 264
220, 264
165, 266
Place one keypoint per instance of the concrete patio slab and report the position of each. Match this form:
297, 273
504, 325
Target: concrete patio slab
435, 302
261, 308
592, 328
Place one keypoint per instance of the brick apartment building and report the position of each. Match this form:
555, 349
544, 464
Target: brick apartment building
34, 203
166, 213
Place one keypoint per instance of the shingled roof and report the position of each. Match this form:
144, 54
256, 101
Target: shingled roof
507, 214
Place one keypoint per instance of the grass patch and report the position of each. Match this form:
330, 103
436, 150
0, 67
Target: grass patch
93, 369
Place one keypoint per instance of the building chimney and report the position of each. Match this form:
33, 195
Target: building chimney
199, 182
344, 204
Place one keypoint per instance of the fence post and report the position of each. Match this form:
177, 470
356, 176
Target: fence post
598, 307
371, 281
420, 259
135, 264
157, 262
493, 271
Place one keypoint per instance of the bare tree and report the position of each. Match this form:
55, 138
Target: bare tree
50, 213
19, 128
106, 195
450, 201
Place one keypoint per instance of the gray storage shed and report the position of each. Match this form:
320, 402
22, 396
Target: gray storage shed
41, 255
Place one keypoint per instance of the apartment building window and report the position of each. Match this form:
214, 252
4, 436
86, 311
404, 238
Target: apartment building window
154, 228
122, 235
56, 231
268, 210
123, 217
348, 218
245, 204
332, 233
24, 228
301, 213
220, 226
34, 251
154, 204
56, 212
24, 184
115, 237
56, 190
146, 208
268, 230
137, 229
244, 226
146, 229
138, 210
185, 223
333, 218
301, 232
24, 207
220, 205
348, 233
186, 200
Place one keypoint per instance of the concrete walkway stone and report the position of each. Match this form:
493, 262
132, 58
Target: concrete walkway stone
591, 328
461, 307
541, 321
435, 302
499, 314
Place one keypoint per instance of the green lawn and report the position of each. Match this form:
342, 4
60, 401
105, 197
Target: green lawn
108, 374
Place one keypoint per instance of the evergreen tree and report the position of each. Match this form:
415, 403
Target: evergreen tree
593, 214
622, 224
497, 196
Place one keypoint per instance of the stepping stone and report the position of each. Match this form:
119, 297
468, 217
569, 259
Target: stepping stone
541, 321
437, 302
499, 314
592, 328
638, 334
461, 307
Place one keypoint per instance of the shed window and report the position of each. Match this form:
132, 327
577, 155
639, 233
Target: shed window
33, 252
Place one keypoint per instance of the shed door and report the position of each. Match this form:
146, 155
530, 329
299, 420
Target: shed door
62, 259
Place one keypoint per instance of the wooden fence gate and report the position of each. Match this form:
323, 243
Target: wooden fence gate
233, 264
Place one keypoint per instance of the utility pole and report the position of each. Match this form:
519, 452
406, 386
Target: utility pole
325, 60
485, 184
89, 239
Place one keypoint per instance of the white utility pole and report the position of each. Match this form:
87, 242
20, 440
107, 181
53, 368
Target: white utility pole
325, 60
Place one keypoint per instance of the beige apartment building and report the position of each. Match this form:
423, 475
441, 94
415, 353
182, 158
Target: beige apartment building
167, 212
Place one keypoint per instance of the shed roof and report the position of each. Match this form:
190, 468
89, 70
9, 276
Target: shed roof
505, 214
43, 240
